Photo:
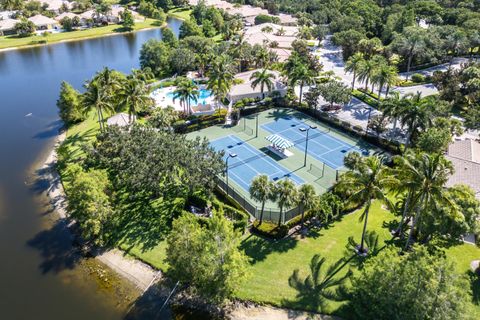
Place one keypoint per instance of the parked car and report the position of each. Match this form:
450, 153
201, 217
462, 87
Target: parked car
333, 107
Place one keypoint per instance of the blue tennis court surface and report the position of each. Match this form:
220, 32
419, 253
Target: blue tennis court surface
250, 162
321, 145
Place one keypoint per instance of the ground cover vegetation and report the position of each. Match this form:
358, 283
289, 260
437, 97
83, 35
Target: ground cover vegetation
389, 222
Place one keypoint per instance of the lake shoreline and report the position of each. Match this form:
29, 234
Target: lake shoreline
89, 37
140, 274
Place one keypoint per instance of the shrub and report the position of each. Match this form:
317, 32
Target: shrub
357, 128
418, 78
298, 219
263, 18
270, 230
237, 216
346, 124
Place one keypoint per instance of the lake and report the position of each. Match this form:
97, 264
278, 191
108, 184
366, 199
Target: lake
40, 275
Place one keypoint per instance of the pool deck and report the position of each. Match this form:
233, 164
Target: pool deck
163, 98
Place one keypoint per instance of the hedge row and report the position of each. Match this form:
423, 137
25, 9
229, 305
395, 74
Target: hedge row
201, 122
368, 99
270, 230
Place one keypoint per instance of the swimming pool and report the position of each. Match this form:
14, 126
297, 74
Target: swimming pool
203, 98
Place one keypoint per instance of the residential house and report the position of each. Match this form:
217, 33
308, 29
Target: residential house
7, 26
245, 90
465, 157
272, 35
287, 19
42, 22
56, 5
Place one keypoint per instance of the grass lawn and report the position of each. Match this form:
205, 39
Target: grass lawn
81, 133
273, 262
180, 13
14, 41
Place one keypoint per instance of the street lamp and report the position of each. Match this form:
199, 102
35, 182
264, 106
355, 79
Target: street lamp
230, 155
306, 142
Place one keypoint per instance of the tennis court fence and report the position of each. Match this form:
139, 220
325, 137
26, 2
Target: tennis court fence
269, 214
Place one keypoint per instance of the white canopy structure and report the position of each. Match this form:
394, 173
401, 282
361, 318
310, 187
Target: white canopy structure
279, 142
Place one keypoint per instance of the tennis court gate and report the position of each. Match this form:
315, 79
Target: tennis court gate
269, 214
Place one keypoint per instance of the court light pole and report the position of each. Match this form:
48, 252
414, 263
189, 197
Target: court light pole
230, 155
256, 126
307, 130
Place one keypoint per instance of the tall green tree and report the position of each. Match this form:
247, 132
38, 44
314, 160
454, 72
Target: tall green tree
385, 76
334, 91
127, 20
220, 77
24, 28
262, 190
410, 43
424, 176
69, 104
366, 182
89, 203
134, 96
206, 258
302, 76
286, 197
263, 78
353, 65
307, 199
416, 285
186, 91
155, 55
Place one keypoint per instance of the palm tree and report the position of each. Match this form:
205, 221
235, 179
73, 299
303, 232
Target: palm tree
393, 107
262, 57
220, 77
354, 64
99, 95
365, 72
301, 75
202, 60
385, 75
307, 199
286, 197
186, 91
424, 176
134, 96
261, 190
366, 182
262, 78
417, 114
267, 29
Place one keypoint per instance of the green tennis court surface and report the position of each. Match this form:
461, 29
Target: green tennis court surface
326, 149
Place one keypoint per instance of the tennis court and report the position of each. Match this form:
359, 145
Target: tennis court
321, 145
250, 162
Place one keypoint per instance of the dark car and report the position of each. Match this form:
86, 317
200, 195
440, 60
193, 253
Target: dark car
333, 107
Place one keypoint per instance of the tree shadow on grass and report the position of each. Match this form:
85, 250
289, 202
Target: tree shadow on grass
321, 285
144, 223
77, 140
56, 248
258, 248
475, 286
